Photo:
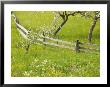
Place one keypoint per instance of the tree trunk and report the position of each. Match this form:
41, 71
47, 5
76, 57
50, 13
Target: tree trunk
91, 30
59, 28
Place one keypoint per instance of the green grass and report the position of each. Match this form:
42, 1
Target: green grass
41, 61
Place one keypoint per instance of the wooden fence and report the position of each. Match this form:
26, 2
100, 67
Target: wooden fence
46, 40
76, 45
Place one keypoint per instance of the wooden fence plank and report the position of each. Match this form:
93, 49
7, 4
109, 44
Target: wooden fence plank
43, 39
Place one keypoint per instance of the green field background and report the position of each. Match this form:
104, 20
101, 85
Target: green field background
49, 61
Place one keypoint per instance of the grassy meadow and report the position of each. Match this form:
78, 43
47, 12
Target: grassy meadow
50, 61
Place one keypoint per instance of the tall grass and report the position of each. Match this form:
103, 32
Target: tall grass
46, 61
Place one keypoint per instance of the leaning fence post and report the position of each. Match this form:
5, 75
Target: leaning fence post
77, 46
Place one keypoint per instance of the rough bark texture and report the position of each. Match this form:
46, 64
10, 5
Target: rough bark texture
64, 16
77, 48
91, 29
59, 28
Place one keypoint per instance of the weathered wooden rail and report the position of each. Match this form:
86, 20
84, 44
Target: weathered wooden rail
46, 40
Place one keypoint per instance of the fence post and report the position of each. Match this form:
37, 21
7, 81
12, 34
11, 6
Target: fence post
27, 48
44, 39
77, 46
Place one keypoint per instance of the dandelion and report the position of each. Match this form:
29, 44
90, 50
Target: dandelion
36, 60
37, 66
44, 62
26, 73
30, 71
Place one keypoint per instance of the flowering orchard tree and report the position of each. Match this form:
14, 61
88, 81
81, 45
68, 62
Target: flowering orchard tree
95, 15
64, 15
